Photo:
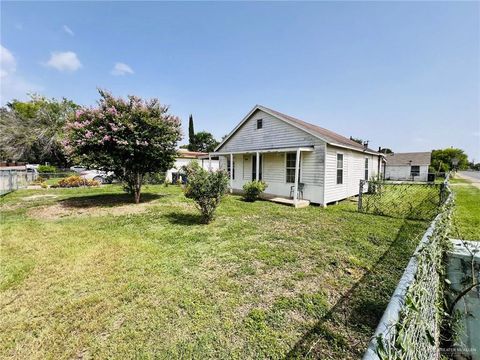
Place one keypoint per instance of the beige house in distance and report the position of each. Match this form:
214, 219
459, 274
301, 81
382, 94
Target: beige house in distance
298, 160
412, 166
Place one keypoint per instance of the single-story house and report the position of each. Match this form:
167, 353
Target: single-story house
186, 156
297, 160
412, 166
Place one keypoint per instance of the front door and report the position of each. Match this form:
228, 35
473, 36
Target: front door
254, 167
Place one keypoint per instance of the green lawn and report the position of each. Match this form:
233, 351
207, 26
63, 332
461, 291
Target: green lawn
467, 210
86, 274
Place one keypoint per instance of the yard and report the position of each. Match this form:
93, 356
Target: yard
85, 273
467, 210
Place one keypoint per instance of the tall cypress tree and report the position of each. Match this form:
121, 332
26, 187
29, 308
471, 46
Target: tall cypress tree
191, 133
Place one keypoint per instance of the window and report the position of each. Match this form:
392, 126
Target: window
254, 167
366, 168
259, 123
290, 167
414, 170
339, 169
230, 168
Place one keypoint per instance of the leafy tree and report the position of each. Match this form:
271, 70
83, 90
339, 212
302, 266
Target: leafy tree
32, 131
191, 130
131, 137
357, 140
204, 142
205, 188
442, 159
386, 151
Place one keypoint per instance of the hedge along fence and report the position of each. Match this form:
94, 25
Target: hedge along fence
410, 326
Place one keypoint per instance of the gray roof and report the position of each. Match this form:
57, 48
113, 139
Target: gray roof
411, 158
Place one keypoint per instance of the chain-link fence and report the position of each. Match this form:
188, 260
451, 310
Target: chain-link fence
410, 326
419, 201
11, 180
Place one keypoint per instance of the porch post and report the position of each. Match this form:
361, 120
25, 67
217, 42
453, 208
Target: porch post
257, 166
231, 173
209, 162
295, 189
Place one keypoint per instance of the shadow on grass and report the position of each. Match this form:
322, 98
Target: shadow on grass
106, 200
178, 218
344, 332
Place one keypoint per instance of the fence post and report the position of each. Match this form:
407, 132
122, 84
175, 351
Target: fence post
360, 195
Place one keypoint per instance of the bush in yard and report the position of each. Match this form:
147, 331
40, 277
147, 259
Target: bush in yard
205, 188
130, 137
154, 178
46, 169
76, 181
253, 189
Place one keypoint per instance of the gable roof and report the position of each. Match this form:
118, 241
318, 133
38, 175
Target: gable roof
413, 158
328, 136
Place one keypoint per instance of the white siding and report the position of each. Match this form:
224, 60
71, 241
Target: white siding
274, 173
402, 172
179, 162
274, 134
353, 172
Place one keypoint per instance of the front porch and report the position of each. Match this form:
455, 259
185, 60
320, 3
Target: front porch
280, 168
290, 202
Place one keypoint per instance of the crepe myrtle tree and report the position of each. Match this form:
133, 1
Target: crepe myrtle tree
131, 137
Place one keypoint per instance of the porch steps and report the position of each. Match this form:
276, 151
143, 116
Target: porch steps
284, 201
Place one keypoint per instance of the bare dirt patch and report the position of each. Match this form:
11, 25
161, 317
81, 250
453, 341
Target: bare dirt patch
39, 197
58, 211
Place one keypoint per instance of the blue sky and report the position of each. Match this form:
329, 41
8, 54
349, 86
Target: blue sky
402, 75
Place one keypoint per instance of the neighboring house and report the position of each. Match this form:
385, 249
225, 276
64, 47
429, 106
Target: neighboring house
186, 156
290, 154
408, 166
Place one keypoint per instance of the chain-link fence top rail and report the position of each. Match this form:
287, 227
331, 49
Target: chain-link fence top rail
418, 201
410, 326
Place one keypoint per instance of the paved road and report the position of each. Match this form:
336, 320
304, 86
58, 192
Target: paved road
472, 176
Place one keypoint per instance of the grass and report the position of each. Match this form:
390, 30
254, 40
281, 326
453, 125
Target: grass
467, 210
86, 274
412, 201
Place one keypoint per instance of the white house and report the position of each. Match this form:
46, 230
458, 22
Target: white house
297, 160
186, 156
411, 166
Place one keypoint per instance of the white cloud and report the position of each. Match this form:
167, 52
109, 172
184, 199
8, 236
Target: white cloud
64, 61
121, 69
8, 65
68, 30
13, 86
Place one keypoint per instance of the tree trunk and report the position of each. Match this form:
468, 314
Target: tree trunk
137, 188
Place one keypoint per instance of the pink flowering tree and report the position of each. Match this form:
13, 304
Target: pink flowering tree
130, 137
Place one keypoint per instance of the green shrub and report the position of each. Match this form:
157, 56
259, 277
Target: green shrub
154, 178
46, 169
206, 189
253, 189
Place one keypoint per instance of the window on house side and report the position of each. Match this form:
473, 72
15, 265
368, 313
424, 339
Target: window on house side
366, 168
339, 169
290, 167
230, 168
415, 170
259, 123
